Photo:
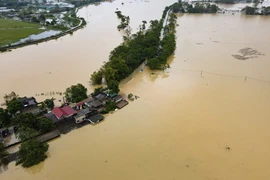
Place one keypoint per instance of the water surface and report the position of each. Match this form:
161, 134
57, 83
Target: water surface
199, 120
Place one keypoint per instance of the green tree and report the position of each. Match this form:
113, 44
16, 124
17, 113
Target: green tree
32, 152
45, 125
14, 106
76, 93
25, 133
113, 86
34, 19
42, 18
26, 120
5, 118
250, 10
49, 103
96, 77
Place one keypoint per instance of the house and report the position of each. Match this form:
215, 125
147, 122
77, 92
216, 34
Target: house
117, 98
101, 96
121, 104
26, 102
93, 103
79, 105
52, 117
96, 118
63, 112
84, 114
29, 105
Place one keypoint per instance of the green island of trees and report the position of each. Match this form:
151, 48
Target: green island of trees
145, 45
185, 7
256, 11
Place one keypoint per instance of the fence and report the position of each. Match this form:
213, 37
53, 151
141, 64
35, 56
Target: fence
224, 75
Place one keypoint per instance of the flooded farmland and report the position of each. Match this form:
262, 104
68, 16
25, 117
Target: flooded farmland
205, 118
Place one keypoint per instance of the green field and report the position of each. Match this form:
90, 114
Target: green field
12, 31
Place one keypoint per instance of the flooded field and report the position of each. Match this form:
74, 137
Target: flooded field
205, 118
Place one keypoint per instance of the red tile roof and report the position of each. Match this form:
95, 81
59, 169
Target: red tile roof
60, 112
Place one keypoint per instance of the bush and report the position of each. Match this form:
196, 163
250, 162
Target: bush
76, 93
32, 152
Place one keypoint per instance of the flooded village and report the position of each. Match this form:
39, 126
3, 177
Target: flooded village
66, 117
205, 117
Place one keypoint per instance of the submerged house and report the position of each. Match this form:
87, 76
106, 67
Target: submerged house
84, 114
118, 98
101, 96
96, 118
93, 103
29, 105
63, 112
52, 117
121, 104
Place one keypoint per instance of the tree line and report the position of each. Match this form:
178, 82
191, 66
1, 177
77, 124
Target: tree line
185, 7
256, 11
141, 46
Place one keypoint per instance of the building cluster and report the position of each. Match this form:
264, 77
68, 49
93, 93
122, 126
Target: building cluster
85, 112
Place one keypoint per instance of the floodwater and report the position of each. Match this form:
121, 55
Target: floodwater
205, 118
38, 36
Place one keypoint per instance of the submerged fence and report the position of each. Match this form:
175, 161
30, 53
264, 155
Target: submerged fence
245, 78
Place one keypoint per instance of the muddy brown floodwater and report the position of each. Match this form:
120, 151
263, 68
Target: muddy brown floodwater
202, 119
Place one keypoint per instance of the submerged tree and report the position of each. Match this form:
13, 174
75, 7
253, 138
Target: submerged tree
32, 152
76, 93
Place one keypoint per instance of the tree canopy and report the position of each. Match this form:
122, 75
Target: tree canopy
29, 126
185, 7
5, 118
32, 152
49, 103
76, 93
14, 105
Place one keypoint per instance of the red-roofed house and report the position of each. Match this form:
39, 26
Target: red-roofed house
63, 112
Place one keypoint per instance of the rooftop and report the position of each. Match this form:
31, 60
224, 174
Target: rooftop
82, 112
52, 117
31, 101
121, 104
96, 118
63, 111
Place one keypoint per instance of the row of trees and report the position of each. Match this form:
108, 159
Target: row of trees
185, 7
125, 58
141, 46
257, 11
167, 44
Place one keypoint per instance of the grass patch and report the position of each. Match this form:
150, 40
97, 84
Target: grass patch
12, 31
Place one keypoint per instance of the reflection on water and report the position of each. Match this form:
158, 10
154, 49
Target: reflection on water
35, 37
182, 125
